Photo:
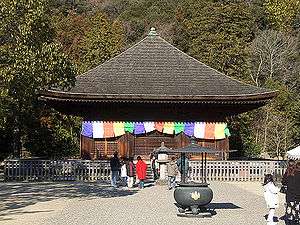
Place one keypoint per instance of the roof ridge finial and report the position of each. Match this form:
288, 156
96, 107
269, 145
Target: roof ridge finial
152, 32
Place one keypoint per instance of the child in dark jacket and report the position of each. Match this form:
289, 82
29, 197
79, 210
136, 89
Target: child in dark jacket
130, 172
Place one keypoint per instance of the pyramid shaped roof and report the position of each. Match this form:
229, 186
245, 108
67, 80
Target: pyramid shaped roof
155, 70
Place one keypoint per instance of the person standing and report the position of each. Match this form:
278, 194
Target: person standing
271, 197
141, 171
287, 180
172, 173
115, 168
291, 179
130, 172
154, 166
183, 168
297, 195
124, 171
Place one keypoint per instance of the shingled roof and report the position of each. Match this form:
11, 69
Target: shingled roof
155, 70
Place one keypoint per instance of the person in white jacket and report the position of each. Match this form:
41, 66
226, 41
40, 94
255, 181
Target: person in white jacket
271, 197
124, 172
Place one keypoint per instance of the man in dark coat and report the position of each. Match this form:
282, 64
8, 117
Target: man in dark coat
183, 168
288, 181
115, 166
291, 179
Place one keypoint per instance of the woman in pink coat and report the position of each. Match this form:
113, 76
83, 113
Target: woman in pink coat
141, 171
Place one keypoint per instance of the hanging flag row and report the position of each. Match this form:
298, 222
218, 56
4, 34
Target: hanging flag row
107, 129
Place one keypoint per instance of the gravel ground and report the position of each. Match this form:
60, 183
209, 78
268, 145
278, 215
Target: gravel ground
97, 203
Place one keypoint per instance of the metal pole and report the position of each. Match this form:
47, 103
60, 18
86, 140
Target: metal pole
205, 166
182, 167
16, 143
202, 167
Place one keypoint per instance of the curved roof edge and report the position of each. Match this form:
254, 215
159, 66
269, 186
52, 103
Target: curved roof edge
82, 97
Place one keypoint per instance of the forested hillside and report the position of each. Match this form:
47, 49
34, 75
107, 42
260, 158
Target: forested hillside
48, 43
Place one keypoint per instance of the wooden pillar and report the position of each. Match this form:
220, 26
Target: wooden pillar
133, 149
122, 145
181, 140
105, 147
80, 145
126, 145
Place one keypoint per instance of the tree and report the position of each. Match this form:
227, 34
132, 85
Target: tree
274, 56
282, 13
89, 39
139, 16
261, 21
282, 120
218, 33
60, 135
71, 30
30, 62
242, 136
104, 40
275, 65
64, 6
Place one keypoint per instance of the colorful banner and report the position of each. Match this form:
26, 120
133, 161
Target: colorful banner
139, 128
149, 126
159, 126
220, 130
98, 131
129, 127
168, 128
108, 129
189, 128
199, 130
87, 129
178, 127
119, 128
209, 131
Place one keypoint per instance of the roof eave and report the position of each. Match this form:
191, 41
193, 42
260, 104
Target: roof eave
223, 99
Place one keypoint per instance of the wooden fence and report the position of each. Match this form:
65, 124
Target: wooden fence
236, 170
88, 170
56, 170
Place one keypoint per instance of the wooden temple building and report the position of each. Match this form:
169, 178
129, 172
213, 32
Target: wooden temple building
153, 93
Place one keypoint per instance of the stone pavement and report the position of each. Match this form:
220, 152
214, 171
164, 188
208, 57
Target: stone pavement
97, 203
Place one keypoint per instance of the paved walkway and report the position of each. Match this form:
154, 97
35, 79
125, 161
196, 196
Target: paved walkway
94, 203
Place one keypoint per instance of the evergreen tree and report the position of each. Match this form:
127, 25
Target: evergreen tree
282, 13
89, 40
30, 62
217, 34
104, 40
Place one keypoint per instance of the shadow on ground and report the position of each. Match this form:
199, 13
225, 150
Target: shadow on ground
211, 208
15, 196
222, 205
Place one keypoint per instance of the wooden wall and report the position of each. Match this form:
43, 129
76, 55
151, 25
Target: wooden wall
134, 145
